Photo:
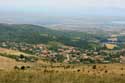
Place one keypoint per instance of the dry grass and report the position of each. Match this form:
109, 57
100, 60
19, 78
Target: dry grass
56, 77
102, 73
45, 72
9, 64
12, 52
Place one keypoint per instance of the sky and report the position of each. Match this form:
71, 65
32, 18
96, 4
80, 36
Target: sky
63, 7
44, 11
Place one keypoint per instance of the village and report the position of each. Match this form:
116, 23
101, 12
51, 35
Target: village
69, 54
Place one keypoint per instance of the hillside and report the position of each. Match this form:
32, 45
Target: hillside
12, 52
8, 63
23, 33
37, 34
11, 58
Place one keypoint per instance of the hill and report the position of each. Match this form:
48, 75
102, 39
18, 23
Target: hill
11, 58
8, 63
34, 34
12, 52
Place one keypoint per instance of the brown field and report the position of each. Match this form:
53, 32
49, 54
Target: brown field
9, 64
12, 52
102, 73
56, 77
46, 72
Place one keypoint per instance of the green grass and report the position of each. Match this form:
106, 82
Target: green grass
30, 76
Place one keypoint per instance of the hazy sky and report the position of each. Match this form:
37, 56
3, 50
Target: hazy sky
63, 7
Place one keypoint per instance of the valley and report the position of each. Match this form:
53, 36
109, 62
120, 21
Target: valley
33, 51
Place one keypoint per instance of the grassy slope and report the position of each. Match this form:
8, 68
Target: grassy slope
8, 63
12, 52
38, 76
7, 59
115, 72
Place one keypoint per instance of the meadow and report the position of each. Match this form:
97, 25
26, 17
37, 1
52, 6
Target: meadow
99, 73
